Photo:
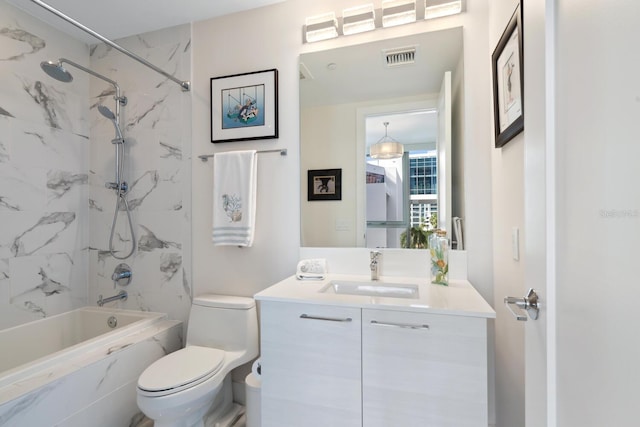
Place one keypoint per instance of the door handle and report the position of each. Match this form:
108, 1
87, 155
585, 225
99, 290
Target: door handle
528, 303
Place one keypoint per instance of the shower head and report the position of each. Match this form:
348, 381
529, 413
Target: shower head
106, 112
56, 70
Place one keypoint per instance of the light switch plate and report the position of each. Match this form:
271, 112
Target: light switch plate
515, 243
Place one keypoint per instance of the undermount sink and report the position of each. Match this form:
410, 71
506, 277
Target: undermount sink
372, 288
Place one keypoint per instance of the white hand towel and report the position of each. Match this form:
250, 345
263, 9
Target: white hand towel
234, 197
312, 269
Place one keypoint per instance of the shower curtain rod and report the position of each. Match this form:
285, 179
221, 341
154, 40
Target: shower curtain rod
186, 85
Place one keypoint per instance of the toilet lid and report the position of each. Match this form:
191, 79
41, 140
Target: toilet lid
180, 368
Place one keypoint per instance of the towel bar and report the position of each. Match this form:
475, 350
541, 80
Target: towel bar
282, 151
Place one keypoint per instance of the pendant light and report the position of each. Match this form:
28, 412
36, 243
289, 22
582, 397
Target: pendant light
386, 147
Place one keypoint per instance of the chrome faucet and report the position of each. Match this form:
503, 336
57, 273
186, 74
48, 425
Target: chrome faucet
122, 295
375, 256
121, 275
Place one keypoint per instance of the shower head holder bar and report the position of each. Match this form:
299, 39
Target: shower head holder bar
184, 84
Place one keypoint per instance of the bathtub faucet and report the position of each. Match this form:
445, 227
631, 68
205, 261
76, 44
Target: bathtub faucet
121, 275
122, 295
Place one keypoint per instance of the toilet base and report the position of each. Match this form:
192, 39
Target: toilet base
232, 418
216, 408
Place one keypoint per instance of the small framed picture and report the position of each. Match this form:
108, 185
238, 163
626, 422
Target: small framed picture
324, 184
508, 82
244, 106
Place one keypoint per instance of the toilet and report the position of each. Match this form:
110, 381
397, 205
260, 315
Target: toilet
192, 386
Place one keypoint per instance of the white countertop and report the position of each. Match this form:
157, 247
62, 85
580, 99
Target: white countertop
459, 298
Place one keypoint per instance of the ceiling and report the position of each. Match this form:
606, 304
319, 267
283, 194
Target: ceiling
412, 128
359, 73
115, 19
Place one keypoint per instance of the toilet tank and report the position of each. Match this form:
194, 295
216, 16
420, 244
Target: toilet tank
226, 322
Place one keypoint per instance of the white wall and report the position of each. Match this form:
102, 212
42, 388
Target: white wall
477, 148
326, 147
598, 212
250, 41
278, 29
508, 213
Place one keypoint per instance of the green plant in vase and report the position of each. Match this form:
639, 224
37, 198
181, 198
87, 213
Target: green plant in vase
418, 236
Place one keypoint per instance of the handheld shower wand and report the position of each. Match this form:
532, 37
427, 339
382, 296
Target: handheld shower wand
119, 185
107, 113
118, 141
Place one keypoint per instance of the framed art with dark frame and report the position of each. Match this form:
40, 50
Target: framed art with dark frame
244, 106
508, 82
324, 184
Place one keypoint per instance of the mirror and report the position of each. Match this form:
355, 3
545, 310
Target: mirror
345, 96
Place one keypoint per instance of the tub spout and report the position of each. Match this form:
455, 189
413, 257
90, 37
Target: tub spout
122, 295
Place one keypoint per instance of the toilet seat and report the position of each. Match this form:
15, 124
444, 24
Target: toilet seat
180, 370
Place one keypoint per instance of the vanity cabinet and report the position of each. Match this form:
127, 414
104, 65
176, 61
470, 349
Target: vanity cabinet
311, 365
422, 369
340, 366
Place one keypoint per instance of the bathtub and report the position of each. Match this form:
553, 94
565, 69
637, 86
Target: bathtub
81, 367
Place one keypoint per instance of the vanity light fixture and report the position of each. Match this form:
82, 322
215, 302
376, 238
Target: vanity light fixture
398, 12
358, 19
439, 8
321, 27
386, 147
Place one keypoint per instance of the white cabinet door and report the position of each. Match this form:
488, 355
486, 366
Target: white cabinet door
311, 365
423, 370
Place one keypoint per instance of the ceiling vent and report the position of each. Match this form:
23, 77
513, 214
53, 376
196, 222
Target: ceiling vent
400, 56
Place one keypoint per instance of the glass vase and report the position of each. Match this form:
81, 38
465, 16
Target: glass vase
439, 251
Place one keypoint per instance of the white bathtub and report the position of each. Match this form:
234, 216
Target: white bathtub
74, 369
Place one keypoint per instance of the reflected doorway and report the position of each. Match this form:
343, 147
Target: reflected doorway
402, 193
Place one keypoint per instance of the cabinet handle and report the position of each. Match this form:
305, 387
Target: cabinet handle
330, 319
399, 325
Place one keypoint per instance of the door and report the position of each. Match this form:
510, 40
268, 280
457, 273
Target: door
539, 208
444, 154
539, 189
590, 292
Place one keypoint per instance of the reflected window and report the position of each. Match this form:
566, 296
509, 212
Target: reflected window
423, 174
423, 187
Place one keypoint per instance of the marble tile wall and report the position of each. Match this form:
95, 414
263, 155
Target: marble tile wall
157, 128
44, 174
56, 154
